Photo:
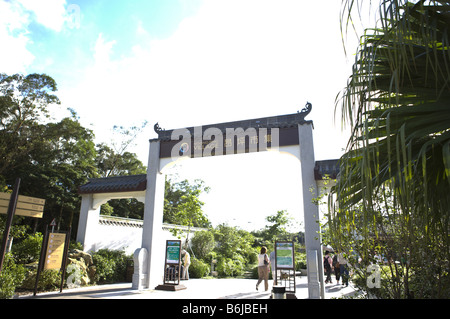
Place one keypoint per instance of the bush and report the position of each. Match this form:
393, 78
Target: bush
49, 279
227, 267
198, 268
110, 266
202, 244
28, 250
11, 277
75, 245
300, 261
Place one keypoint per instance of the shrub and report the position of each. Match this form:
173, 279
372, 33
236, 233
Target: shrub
203, 243
227, 267
75, 245
11, 277
300, 261
251, 256
198, 268
28, 250
110, 266
49, 279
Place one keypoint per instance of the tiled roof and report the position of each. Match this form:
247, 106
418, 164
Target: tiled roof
280, 121
326, 167
115, 184
133, 183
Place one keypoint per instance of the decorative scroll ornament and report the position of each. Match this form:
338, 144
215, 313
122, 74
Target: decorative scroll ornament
157, 128
306, 110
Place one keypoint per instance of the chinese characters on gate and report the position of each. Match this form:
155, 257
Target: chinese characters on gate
213, 141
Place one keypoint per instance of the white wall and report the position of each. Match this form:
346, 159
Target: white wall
121, 233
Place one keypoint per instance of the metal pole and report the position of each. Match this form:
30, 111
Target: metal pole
64, 261
41, 260
11, 211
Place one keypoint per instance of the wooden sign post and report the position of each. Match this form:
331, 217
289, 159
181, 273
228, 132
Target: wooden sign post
54, 251
14, 203
26, 206
11, 208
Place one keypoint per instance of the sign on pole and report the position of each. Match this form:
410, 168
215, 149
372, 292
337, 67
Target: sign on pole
26, 206
285, 266
9, 218
15, 204
173, 251
172, 267
284, 252
55, 251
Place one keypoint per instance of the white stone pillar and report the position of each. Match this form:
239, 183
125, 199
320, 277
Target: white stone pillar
311, 213
152, 239
88, 222
140, 276
313, 274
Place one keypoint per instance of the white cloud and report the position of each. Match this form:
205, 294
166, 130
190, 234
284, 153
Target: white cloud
49, 13
14, 55
15, 37
232, 60
102, 52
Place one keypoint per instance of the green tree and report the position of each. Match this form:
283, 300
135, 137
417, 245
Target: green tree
203, 243
182, 204
232, 241
62, 159
393, 192
24, 101
110, 163
278, 228
234, 250
52, 159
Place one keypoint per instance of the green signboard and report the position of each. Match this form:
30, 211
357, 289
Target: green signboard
173, 249
284, 252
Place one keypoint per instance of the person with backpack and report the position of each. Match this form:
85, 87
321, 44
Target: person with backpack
327, 262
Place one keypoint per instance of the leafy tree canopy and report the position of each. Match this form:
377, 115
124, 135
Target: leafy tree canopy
182, 204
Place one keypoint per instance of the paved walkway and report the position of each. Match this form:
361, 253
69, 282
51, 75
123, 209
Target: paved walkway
195, 289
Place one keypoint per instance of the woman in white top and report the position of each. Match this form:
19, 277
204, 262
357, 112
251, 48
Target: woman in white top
263, 268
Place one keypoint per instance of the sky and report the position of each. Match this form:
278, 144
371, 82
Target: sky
185, 63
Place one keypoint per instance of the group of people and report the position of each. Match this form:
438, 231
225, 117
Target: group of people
337, 264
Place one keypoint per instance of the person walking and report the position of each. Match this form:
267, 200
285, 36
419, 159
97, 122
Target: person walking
343, 264
186, 263
263, 268
337, 270
327, 262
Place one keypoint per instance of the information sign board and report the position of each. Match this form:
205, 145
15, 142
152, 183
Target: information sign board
55, 251
173, 251
284, 252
